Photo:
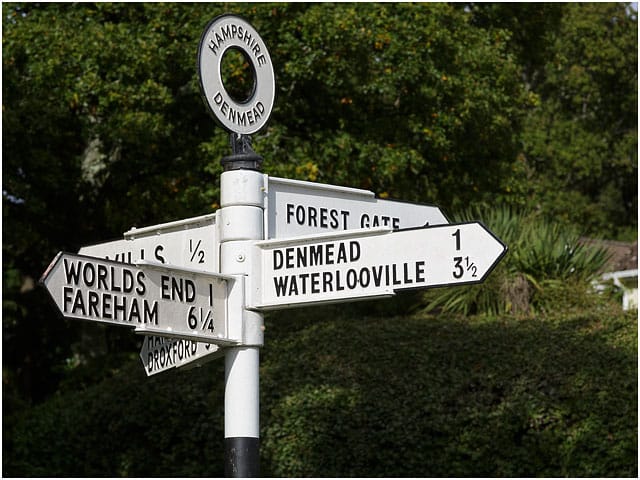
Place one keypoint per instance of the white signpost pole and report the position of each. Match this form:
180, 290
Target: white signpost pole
241, 195
241, 221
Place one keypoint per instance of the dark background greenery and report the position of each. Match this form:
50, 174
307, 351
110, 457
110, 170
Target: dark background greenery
377, 395
528, 106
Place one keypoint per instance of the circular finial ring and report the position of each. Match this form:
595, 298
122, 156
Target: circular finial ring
221, 34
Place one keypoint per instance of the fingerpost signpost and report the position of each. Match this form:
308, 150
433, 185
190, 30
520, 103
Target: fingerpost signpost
196, 288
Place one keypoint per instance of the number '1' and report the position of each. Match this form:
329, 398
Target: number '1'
457, 235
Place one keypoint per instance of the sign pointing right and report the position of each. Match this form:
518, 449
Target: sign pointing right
369, 263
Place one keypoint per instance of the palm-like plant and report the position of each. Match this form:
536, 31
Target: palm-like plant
542, 255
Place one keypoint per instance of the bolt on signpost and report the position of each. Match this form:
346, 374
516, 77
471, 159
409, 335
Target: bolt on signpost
196, 288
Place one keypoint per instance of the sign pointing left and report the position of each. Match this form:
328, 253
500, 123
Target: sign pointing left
151, 298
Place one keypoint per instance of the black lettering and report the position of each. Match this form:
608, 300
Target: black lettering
171, 352
164, 286
323, 217
364, 280
339, 286
300, 215
315, 255
163, 357
66, 298
217, 98
78, 303
344, 214
302, 257
213, 46
127, 280
396, 223
134, 313
190, 290
248, 38
102, 277
395, 275
327, 283
333, 213
120, 307
293, 286
141, 288
304, 277
407, 279
177, 350
289, 212
72, 272
278, 259
420, 272
158, 251
89, 274
377, 275
281, 285
94, 301
342, 253
289, 257
151, 314
177, 289
114, 286
218, 38
315, 282
329, 253
313, 217
354, 251
106, 305
352, 279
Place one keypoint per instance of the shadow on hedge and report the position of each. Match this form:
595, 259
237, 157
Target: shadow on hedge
373, 396
439, 397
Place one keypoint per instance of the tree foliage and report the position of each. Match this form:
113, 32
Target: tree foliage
582, 139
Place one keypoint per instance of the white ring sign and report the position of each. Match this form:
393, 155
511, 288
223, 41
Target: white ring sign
221, 34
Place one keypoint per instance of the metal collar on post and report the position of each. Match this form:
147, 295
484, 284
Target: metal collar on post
243, 156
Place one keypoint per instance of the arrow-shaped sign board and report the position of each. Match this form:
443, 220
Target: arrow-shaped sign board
296, 208
191, 243
152, 298
371, 263
159, 354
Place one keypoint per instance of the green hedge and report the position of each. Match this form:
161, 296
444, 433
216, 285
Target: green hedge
372, 396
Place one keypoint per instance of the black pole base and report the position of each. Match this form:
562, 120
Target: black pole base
242, 457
